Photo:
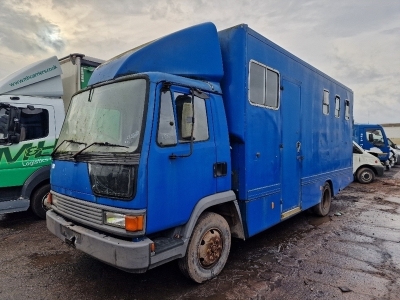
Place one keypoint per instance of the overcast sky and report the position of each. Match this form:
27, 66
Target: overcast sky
356, 42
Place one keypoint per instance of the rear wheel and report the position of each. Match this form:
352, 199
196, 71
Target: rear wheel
38, 201
208, 248
323, 207
365, 175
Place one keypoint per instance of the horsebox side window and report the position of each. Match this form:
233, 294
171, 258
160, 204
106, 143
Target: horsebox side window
257, 84
347, 109
325, 103
337, 106
34, 124
263, 86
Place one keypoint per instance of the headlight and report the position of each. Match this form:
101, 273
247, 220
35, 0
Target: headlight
115, 219
115, 181
129, 223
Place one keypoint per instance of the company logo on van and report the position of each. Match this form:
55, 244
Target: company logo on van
28, 77
32, 163
28, 154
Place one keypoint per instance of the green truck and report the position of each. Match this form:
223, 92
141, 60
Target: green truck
33, 102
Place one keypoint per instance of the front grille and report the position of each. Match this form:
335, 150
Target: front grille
91, 214
72, 208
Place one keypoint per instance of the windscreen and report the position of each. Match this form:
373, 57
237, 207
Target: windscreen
110, 117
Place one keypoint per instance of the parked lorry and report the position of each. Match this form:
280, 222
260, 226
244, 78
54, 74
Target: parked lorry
372, 138
36, 98
365, 165
182, 143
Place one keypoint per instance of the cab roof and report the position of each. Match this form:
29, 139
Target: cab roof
193, 52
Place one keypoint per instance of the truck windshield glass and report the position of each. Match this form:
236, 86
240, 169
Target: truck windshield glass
110, 117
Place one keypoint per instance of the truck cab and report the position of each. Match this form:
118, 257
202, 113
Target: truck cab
370, 137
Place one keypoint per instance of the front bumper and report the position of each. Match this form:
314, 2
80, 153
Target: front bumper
133, 257
379, 169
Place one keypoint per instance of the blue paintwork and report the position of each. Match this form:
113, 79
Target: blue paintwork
172, 188
291, 135
71, 179
326, 142
361, 138
192, 52
270, 175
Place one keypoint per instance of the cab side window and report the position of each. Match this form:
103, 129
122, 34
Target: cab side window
166, 135
375, 136
179, 117
34, 124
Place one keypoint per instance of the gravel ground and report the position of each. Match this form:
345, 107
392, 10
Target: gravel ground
354, 253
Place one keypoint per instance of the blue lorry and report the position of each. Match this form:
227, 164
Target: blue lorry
182, 143
372, 137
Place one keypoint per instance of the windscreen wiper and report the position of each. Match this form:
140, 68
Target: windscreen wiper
69, 141
99, 144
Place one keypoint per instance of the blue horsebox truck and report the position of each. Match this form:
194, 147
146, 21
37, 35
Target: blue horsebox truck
182, 143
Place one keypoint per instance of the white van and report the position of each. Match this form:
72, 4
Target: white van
365, 165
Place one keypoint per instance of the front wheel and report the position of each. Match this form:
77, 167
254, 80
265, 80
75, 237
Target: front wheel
208, 248
38, 199
365, 175
323, 207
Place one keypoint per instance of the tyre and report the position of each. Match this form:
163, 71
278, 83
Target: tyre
38, 199
323, 207
208, 248
365, 175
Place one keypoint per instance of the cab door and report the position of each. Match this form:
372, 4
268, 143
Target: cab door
180, 172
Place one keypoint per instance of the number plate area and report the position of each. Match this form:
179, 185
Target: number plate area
71, 237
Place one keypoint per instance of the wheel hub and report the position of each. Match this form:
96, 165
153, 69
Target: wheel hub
366, 176
210, 248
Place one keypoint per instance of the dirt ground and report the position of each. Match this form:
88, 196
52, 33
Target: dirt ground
354, 253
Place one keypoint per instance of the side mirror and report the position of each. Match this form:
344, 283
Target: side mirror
371, 138
187, 121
